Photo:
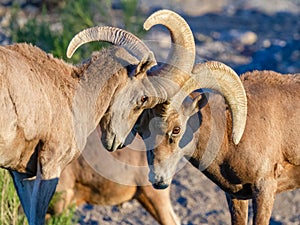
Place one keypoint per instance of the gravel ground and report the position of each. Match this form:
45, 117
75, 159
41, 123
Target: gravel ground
246, 35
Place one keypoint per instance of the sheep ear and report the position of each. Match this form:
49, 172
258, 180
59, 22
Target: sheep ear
147, 62
202, 100
198, 103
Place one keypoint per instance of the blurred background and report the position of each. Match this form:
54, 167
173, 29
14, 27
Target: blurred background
246, 35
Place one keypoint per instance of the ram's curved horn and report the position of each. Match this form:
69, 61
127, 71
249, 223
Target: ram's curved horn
113, 35
181, 59
221, 78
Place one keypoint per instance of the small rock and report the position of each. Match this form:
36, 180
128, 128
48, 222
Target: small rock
248, 38
279, 42
266, 43
243, 37
202, 37
126, 205
106, 218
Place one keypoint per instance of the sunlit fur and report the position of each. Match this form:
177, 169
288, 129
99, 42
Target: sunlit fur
48, 109
265, 162
83, 182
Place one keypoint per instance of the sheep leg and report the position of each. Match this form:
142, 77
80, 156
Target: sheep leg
238, 210
65, 199
158, 203
263, 200
34, 194
42, 193
24, 187
289, 179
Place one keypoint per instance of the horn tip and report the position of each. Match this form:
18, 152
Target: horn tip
69, 56
237, 136
69, 53
152, 58
236, 140
146, 26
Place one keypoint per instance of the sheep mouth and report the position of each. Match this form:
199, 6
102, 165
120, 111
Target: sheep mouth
158, 182
114, 145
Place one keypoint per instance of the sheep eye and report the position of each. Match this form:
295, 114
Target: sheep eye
176, 130
144, 98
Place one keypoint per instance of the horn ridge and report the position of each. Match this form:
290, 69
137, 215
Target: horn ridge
113, 35
181, 58
221, 78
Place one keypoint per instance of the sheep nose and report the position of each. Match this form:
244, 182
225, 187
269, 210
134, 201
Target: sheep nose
112, 144
157, 181
160, 185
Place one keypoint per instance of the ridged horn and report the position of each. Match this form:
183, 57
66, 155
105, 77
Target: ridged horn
181, 58
221, 78
113, 35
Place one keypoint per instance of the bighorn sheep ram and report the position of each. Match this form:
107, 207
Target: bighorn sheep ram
86, 180
265, 161
81, 182
49, 107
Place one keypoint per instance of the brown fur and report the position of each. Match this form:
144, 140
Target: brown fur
262, 163
267, 159
49, 88
81, 182
48, 108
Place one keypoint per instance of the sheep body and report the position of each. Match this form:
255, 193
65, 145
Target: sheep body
265, 162
85, 181
26, 81
45, 124
48, 109
48, 87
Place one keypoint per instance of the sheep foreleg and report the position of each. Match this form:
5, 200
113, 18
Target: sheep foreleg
158, 203
238, 210
42, 193
35, 195
24, 188
263, 200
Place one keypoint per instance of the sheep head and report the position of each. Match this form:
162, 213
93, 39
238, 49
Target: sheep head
142, 89
168, 128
